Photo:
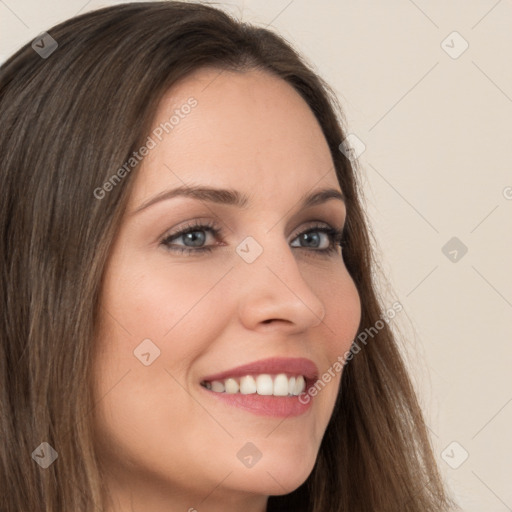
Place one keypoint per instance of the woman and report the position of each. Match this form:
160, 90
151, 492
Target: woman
186, 274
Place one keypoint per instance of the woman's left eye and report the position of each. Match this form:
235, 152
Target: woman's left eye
315, 237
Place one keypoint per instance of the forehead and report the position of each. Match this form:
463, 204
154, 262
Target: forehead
248, 130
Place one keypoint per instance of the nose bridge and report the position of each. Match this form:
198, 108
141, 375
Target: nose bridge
273, 285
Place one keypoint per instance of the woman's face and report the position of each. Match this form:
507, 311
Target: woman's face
263, 290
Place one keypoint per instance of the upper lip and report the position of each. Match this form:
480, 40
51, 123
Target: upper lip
289, 365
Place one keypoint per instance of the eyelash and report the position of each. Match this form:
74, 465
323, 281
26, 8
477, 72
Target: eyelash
335, 236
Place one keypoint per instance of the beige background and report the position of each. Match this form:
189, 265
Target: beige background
437, 164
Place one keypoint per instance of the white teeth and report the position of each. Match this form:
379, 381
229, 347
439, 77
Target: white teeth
231, 386
291, 386
218, 386
281, 385
300, 384
247, 385
263, 384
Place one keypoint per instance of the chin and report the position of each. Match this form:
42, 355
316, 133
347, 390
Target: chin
278, 476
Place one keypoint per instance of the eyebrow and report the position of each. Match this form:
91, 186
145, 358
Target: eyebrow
235, 198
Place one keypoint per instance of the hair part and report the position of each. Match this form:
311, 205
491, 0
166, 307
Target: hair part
69, 123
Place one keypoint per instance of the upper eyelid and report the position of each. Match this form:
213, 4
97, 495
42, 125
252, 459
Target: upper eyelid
327, 211
214, 225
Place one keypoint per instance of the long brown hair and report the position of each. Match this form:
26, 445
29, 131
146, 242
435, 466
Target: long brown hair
69, 122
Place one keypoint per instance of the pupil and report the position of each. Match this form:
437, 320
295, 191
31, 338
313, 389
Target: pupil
192, 237
312, 236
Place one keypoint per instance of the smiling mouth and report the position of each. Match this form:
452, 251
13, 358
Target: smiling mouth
263, 384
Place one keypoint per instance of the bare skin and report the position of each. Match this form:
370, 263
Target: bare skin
165, 443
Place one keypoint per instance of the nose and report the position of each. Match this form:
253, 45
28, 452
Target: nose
274, 291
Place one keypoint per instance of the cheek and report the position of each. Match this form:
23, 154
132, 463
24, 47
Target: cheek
343, 313
340, 325
173, 310
153, 299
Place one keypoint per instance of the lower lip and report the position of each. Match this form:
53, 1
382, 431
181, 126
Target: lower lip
265, 405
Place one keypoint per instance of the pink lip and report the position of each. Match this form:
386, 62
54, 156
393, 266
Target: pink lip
288, 365
263, 405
